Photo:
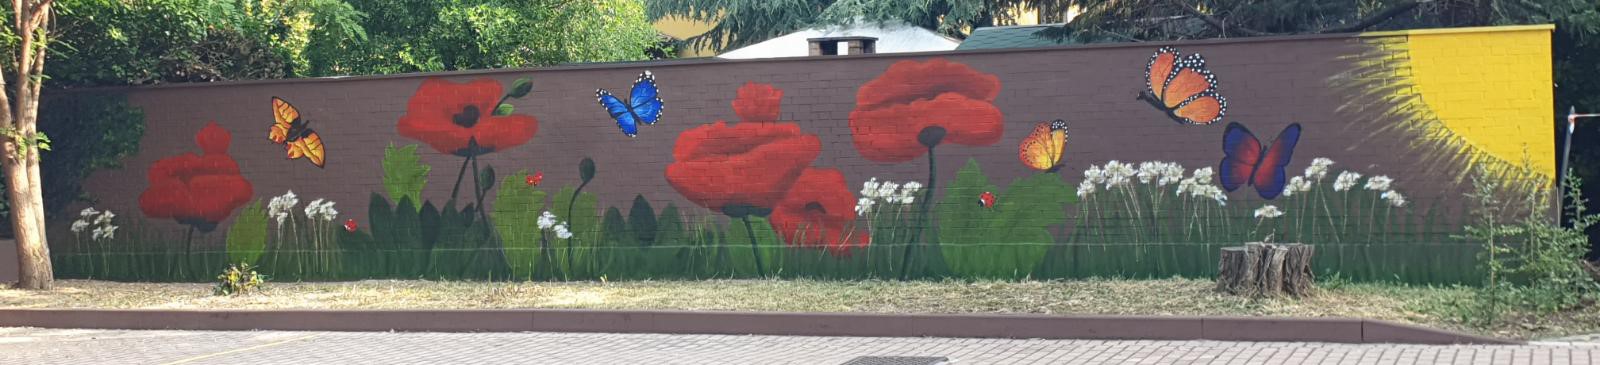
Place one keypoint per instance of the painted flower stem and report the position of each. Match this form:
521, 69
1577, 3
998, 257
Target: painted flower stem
755, 250
1329, 212
922, 216
573, 202
454, 191
188, 241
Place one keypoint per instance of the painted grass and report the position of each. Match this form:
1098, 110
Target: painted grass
1410, 304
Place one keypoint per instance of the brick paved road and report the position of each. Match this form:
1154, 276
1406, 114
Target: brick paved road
50, 346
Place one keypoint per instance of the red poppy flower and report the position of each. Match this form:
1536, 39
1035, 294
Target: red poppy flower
350, 225
819, 211
458, 118
758, 102
535, 179
198, 190
751, 163
895, 108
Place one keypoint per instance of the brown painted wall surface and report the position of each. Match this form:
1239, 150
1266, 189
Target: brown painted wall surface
1268, 85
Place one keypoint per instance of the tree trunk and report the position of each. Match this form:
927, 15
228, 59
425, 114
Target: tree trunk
1262, 269
19, 108
33, 255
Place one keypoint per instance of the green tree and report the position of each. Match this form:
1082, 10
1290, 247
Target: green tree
440, 35
740, 23
25, 38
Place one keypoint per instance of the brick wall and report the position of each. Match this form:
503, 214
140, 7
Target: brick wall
1333, 87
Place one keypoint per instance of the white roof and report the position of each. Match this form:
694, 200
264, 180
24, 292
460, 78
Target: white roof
892, 38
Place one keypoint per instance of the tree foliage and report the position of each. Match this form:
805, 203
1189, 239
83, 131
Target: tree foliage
740, 23
121, 42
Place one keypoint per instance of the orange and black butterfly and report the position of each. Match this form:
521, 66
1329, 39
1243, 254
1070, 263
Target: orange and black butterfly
295, 134
1042, 149
1183, 88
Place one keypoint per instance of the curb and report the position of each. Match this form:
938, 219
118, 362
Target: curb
1338, 330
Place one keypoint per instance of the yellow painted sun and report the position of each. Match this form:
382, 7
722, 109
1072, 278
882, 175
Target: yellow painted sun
1475, 97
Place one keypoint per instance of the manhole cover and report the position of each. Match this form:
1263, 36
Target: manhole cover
897, 360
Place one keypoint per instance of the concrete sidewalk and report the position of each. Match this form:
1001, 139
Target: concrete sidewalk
60, 346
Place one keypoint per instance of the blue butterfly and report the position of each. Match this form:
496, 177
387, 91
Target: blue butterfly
643, 105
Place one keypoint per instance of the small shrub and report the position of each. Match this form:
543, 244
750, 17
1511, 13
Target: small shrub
1533, 264
239, 279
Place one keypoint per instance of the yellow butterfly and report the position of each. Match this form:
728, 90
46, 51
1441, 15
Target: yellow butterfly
295, 133
1042, 149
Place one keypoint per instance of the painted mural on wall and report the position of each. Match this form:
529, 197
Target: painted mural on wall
759, 176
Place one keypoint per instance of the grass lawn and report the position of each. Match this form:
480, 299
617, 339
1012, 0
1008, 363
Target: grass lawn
1418, 305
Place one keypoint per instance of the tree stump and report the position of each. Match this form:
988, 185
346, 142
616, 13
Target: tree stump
1298, 278
1230, 271
1264, 269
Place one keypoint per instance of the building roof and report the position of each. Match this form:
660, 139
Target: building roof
1019, 36
892, 38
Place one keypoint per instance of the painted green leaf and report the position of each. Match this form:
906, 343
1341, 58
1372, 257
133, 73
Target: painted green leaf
247, 238
486, 179
407, 239
404, 174
583, 219
380, 220
768, 246
642, 221
464, 249
520, 88
1008, 240
669, 226
516, 214
504, 110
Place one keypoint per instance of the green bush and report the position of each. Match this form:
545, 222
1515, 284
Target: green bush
239, 279
1533, 263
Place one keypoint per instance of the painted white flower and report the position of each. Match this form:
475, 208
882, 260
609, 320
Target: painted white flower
1208, 191
1297, 184
1216, 193
562, 232
104, 233
864, 206
1345, 181
1094, 175
1116, 168
1318, 168
1115, 181
105, 217
1171, 172
1379, 183
88, 212
321, 209
1148, 171
887, 189
280, 206
1185, 185
1085, 188
1394, 198
546, 220
1269, 211
1203, 175
870, 188
911, 187
79, 225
